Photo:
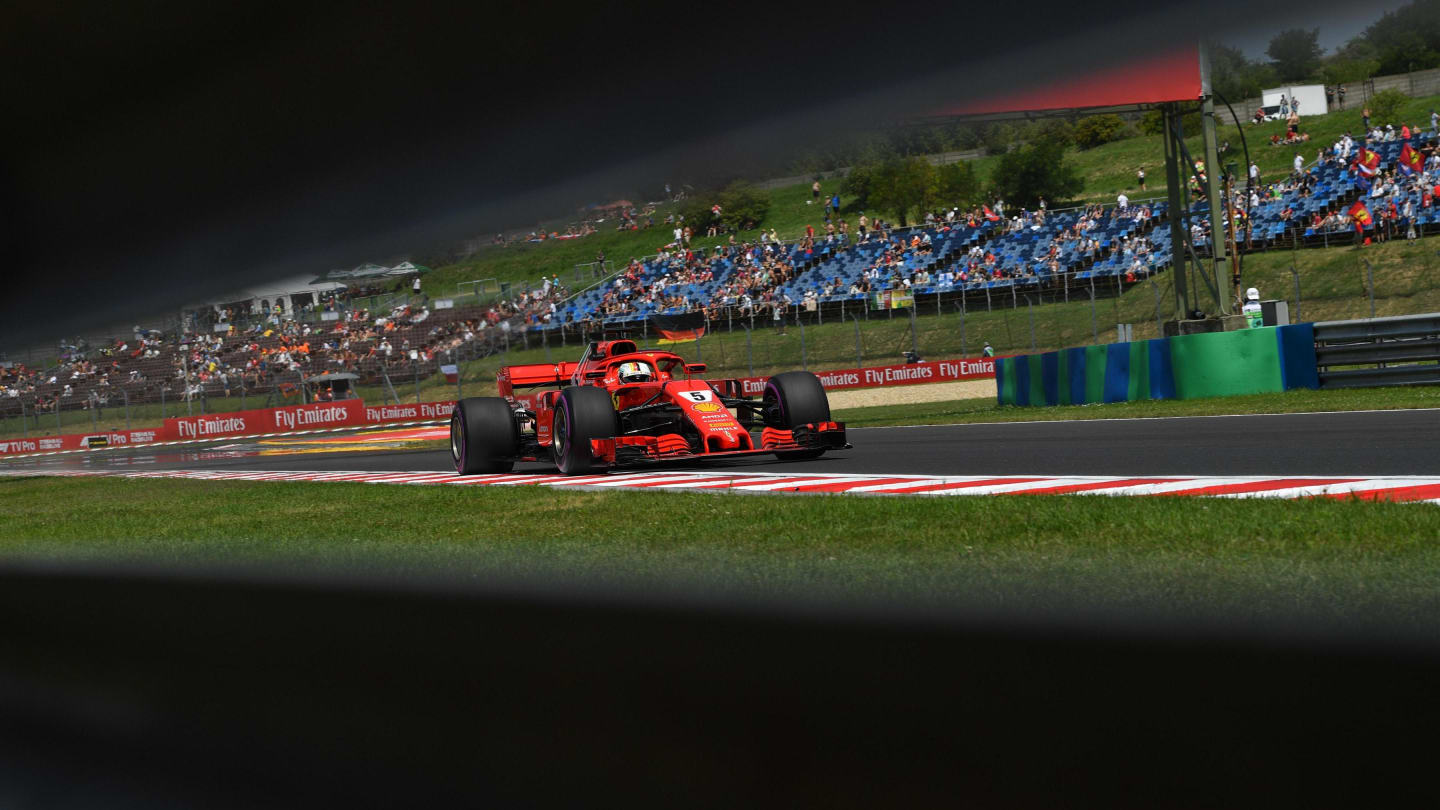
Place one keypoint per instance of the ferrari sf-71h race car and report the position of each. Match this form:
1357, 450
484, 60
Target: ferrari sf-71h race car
621, 406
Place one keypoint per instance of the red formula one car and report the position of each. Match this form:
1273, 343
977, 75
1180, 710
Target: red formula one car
621, 406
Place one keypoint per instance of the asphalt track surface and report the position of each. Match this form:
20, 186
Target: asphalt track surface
1366, 443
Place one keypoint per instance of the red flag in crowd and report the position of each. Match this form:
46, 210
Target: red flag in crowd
1410, 160
1361, 215
990, 215
1367, 162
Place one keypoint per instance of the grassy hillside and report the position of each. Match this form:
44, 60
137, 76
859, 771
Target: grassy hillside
1107, 170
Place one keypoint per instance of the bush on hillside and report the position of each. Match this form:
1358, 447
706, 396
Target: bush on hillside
743, 206
858, 184
1037, 170
1385, 107
1094, 130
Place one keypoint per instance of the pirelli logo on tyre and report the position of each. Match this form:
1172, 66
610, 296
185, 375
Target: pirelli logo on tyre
708, 407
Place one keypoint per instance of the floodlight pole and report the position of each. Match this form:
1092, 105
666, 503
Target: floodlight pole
1175, 192
1212, 181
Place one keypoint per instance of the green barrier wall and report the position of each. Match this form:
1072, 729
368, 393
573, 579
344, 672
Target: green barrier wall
1249, 361
1226, 363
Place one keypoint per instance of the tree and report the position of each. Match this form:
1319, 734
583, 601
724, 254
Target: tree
1385, 106
957, 184
1036, 170
1095, 130
1234, 77
742, 206
858, 183
1295, 54
998, 138
902, 185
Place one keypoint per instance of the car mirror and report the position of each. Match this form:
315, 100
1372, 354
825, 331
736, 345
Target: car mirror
694, 368
595, 375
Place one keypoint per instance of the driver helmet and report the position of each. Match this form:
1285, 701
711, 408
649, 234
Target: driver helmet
635, 373
1252, 294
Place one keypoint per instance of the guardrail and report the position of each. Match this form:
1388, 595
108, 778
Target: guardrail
1398, 348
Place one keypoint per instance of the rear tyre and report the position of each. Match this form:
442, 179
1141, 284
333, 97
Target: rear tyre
483, 436
582, 413
792, 399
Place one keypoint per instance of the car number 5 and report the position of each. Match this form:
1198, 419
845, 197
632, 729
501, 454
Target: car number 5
697, 396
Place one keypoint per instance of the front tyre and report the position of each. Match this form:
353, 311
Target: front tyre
792, 399
582, 413
483, 436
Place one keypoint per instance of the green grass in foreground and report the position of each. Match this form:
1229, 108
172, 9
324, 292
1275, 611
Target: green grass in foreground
986, 410
1342, 560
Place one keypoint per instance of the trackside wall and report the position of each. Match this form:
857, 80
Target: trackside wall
1249, 361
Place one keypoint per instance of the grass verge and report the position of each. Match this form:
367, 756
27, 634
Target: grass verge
987, 410
1340, 559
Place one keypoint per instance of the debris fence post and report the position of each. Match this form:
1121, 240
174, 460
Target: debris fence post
964, 352
859, 362
1370, 285
1155, 288
1094, 327
1294, 273
803, 364
749, 353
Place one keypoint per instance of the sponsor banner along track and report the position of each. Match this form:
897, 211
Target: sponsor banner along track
1421, 489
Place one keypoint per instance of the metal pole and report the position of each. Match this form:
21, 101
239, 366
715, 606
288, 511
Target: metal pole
545, 341
749, 355
58, 429
415, 369
94, 412
1370, 285
964, 352
914, 339
1030, 310
1212, 181
1159, 327
126, 395
1295, 274
1094, 328
803, 364
858, 361
24, 422
460, 379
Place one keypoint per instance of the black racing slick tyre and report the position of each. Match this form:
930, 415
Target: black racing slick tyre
582, 413
483, 436
792, 399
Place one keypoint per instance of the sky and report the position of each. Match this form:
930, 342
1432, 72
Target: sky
1337, 25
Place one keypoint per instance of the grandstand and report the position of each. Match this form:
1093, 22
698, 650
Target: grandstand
963, 258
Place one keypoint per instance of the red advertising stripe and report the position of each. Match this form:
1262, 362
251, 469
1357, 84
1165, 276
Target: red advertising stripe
898, 374
316, 416
411, 412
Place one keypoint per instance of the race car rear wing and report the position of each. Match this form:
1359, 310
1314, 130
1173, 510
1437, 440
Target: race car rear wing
537, 375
